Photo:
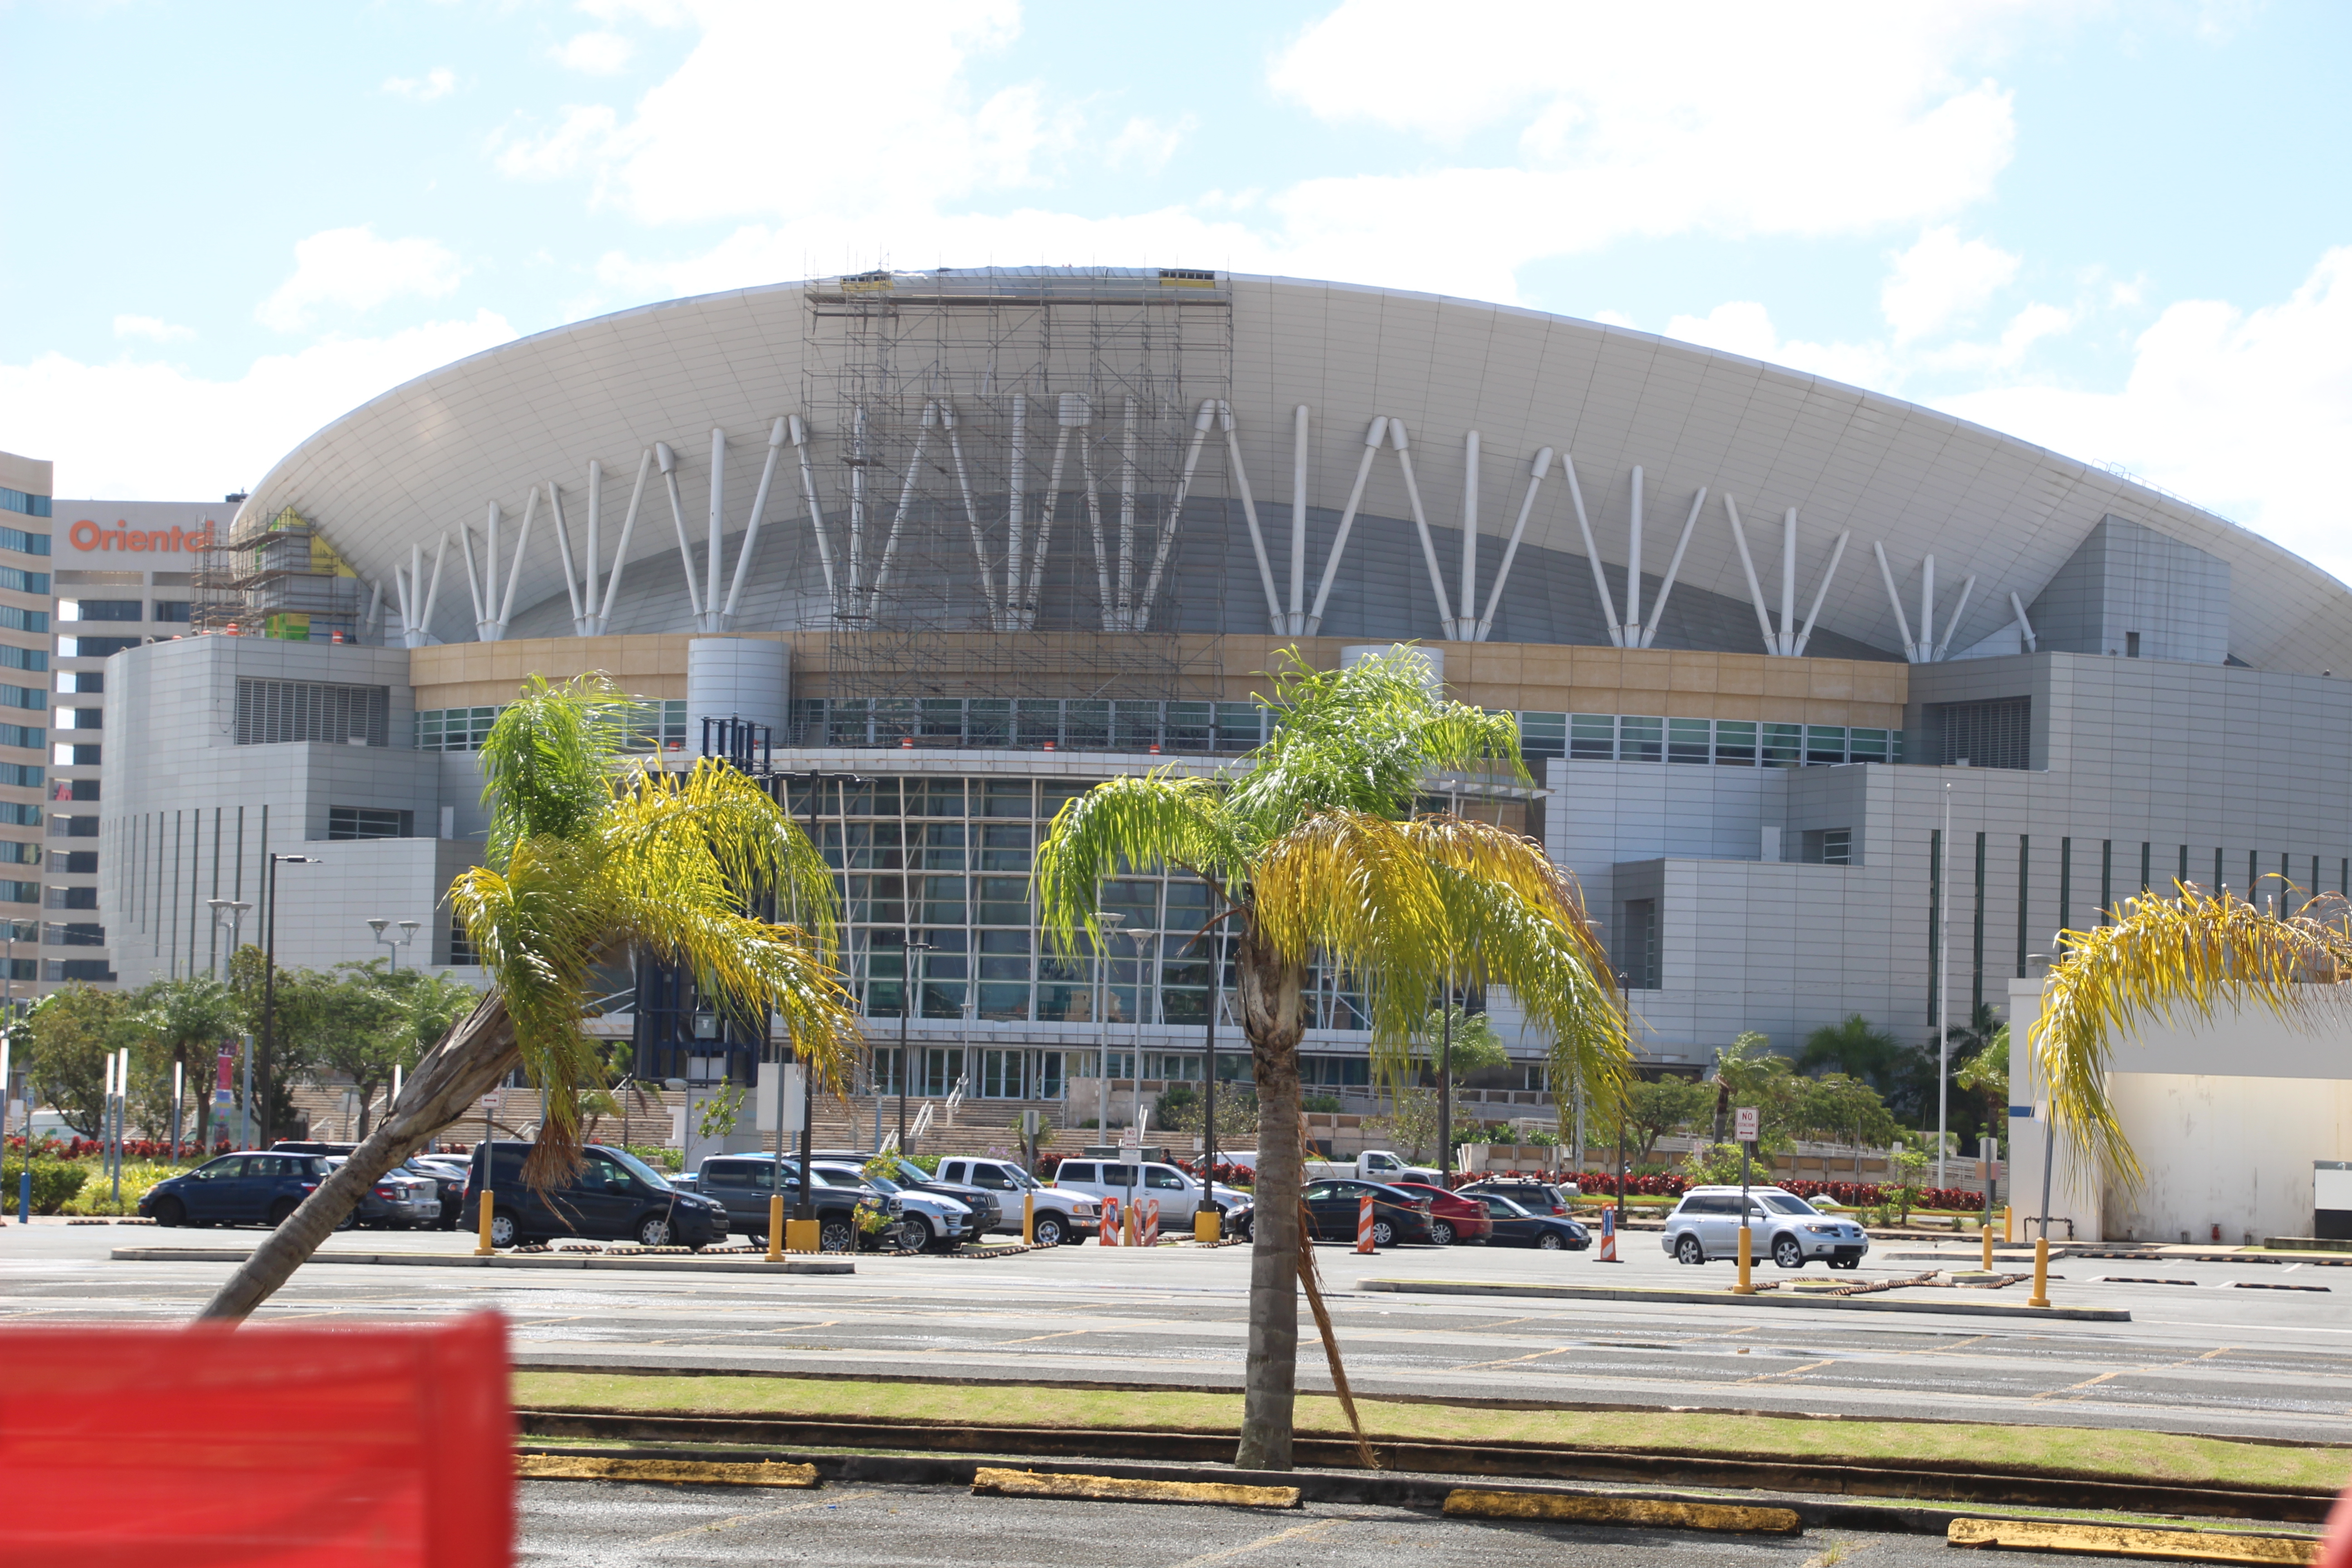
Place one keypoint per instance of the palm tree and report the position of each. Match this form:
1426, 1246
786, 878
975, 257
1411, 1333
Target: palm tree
182, 1015
1858, 1048
2196, 952
1312, 847
590, 855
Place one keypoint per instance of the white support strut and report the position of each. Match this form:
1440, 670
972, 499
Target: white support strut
1462, 621
1398, 443
1095, 532
621, 550
1536, 473
1126, 609
514, 569
799, 434
1674, 569
712, 619
1296, 622
970, 513
1016, 515
433, 592
2024, 626
1927, 611
1249, 514
1073, 413
473, 578
588, 625
752, 526
899, 516
1201, 423
564, 549
1789, 583
1944, 646
1747, 566
667, 461
1902, 625
1373, 438
1634, 637
1837, 554
1593, 553
857, 510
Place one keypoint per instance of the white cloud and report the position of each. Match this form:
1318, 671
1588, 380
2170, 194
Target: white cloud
439, 82
154, 328
2243, 411
352, 267
197, 439
594, 54
1146, 143
585, 132
1940, 281
2025, 329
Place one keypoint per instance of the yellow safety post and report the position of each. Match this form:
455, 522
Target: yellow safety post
1028, 1219
482, 1247
776, 1226
804, 1236
1128, 1234
2040, 1297
2008, 1223
1208, 1226
1743, 1288
1987, 1250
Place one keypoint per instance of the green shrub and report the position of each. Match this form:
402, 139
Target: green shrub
55, 1181
97, 1193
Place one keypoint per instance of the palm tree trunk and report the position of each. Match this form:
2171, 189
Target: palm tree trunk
1268, 987
478, 1052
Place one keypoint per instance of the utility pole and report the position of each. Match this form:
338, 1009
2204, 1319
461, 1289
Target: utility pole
269, 981
1944, 986
910, 980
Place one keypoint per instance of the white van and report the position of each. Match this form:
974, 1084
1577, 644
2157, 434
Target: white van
1061, 1216
1180, 1196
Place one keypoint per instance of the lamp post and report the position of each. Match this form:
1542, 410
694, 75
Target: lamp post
1944, 986
1111, 924
269, 980
806, 1207
1142, 1006
408, 934
222, 960
1208, 1068
909, 983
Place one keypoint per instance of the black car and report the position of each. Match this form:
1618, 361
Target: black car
448, 1180
236, 1189
1536, 1197
745, 1183
1397, 1215
1515, 1226
987, 1211
615, 1197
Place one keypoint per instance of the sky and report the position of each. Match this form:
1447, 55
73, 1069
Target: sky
2103, 228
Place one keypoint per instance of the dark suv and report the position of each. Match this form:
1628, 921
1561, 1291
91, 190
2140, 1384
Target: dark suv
1536, 1197
235, 1189
615, 1197
744, 1183
987, 1211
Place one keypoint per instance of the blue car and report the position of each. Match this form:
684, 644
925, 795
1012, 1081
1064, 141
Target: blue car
236, 1189
1517, 1227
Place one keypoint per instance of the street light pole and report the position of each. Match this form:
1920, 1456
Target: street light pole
235, 913
1109, 924
1142, 1006
1944, 986
806, 1209
908, 981
269, 981
408, 931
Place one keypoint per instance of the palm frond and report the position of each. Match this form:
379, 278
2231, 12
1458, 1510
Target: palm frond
1353, 886
1157, 819
715, 817
547, 761
2196, 952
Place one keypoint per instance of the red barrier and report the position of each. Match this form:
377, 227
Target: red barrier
262, 1447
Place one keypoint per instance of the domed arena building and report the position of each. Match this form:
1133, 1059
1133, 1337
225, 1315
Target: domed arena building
1835, 704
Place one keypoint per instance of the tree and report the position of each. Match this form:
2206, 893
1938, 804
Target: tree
1654, 1109
1413, 1122
1475, 1046
591, 855
68, 1035
1311, 848
1747, 1073
1185, 1109
1856, 1047
1986, 1073
1838, 1109
190, 1019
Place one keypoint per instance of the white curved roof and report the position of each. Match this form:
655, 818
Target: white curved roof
427, 455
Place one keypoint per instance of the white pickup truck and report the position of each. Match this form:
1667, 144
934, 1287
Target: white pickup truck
1372, 1166
1060, 1216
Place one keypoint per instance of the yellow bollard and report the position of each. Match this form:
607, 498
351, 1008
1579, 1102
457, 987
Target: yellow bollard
1208, 1226
1744, 1287
776, 1227
1028, 1218
1987, 1250
2040, 1297
482, 1247
1129, 1236
804, 1236
2008, 1223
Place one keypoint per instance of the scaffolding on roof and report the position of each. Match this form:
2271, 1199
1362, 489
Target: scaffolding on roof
281, 580
1007, 457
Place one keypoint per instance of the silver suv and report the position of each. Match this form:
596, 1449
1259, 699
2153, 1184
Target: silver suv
1782, 1226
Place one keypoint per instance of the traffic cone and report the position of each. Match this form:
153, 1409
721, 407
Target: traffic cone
1364, 1225
1608, 1236
1110, 1222
1151, 1223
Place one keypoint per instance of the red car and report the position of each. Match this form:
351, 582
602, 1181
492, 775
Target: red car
1452, 1218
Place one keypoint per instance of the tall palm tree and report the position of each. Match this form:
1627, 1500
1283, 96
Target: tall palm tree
590, 855
2196, 952
1312, 847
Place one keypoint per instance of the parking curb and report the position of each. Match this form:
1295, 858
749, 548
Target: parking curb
1470, 1503
1725, 1298
689, 1265
989, 1481
678, 1472
2123, 1540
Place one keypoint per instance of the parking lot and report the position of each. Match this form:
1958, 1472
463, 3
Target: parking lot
2209, 1355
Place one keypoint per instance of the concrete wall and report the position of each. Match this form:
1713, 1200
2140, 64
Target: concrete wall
2128, 581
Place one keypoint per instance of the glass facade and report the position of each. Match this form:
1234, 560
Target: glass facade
655, 726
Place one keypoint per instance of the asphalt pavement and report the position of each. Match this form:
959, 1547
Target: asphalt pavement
593, 1524
2210, 1356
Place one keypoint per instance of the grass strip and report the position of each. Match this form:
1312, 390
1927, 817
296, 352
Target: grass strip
2087, 1451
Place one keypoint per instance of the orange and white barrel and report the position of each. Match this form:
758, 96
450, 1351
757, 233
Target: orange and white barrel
1110, 1222
1152, 1222
1364, 1224
1608, 1236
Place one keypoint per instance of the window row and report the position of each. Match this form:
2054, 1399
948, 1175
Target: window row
1732, 742
28, 504
653, 726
